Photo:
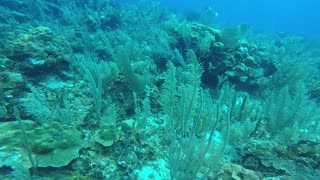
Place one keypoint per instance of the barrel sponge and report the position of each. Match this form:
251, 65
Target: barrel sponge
51, 144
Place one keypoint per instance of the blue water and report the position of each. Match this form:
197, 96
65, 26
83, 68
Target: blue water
297, 16
290, 16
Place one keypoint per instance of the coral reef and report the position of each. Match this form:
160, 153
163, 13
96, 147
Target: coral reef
36, 49
243, 63
234, 171
113, 91
53, 145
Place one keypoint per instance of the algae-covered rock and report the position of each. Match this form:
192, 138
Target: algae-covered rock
105, 135
128, 124
235, 171
36, 48
11, 80
51, 144
193, 35
200, 29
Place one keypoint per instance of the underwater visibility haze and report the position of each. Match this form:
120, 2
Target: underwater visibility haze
294, 16
159, 90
